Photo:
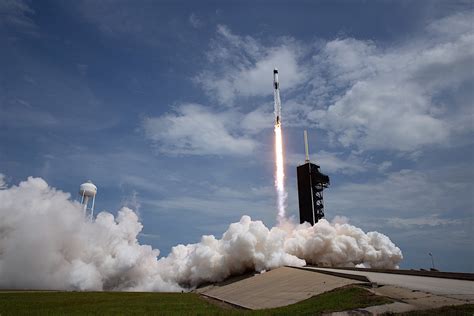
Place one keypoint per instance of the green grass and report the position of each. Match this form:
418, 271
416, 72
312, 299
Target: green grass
125, 303
338, 300
103, 303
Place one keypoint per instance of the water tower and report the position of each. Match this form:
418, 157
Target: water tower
88, 191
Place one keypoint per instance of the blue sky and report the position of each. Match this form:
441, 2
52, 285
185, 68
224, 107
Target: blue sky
167, 107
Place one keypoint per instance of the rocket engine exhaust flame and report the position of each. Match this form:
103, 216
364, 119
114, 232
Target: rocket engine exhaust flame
280, 173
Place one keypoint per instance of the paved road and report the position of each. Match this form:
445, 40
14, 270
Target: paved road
427, 284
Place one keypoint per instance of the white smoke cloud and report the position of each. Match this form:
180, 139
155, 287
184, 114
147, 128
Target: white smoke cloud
246, 245
342, 245
46, 243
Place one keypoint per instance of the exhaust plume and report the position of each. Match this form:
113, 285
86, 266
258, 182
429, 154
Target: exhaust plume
47, 243
280, 174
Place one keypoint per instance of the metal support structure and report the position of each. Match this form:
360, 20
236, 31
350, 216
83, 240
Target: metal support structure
92, 208
318, 201
311, 183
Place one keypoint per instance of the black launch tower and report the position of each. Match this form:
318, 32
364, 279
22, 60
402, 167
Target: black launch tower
311, 183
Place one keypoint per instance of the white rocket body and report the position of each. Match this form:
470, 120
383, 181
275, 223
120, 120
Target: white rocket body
276, 96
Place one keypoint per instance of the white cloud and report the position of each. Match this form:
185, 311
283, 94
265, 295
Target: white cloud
146, 23
406, 194
349, 59
244, 66
257, 120
457, 23
117, 17
18, 15
195, 21
384, 166
20, 113
433, 220
380, 115
219, 201
397, 97
371, 96
196, 130
331, 162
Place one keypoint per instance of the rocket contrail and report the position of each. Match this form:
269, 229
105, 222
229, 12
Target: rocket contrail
280, 172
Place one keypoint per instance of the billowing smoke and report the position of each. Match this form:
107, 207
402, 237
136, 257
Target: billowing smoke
46, 243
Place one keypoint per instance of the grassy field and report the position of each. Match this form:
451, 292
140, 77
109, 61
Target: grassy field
338, 300
126, 303
103, 303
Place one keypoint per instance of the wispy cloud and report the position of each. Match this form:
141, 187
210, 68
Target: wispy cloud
332, 162
196, 130
195, 21
395, 97
19, 113
220, 201
257, 120
433, 220
406, 193
144, 23
18, 15
241, 66
366, 95
116, 18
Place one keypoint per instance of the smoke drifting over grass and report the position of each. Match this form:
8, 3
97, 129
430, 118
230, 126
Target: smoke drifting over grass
46, 243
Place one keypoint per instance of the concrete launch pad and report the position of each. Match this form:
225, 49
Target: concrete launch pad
287, 285
459, 289
275, 288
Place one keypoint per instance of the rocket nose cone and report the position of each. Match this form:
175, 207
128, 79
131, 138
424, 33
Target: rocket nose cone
275, 71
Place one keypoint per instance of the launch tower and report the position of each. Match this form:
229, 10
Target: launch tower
311, 183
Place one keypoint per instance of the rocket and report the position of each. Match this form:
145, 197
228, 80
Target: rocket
276, 97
